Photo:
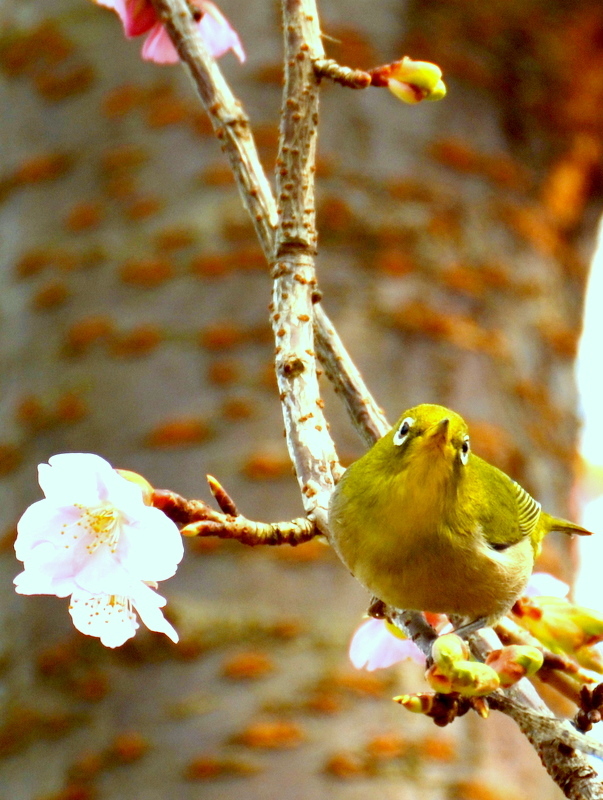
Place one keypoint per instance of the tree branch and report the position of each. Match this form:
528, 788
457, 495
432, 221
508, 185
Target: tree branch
291, 251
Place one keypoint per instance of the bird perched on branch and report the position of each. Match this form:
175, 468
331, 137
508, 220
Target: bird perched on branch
425, 524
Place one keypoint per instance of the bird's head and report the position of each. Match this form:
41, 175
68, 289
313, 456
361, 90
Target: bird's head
431, 439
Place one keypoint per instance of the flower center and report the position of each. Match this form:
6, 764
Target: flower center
102, 525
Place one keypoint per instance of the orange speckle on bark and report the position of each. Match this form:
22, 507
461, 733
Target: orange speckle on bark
7, 539
238, 408
53, 294
86, 767
92, 685
363, 684
248, 258
347, 766
168, 112
394, 261
33, 262
211, 266
56, 85
216, 175
128, 747
31, 413
43, 167
70, 408
437, 748
250, 665
387, 746
224, 372
81, 335
208, 767
325, 702
122, 157
84, 216
222, 336
142, 207
121, 100
267, 467
11, 457
137, 342
146, 273
173, 238
186, 432
201, 123
280, 734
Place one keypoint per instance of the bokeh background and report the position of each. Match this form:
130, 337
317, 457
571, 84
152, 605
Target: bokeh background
455, 247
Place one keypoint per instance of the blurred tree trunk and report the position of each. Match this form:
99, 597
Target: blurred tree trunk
455, 242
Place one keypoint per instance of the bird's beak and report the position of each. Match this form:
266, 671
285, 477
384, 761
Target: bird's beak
437, 435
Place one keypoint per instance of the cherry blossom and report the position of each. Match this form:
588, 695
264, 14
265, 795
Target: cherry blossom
377, 644
139, 17
111, 617
93, 537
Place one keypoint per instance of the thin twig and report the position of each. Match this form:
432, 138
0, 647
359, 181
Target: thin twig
346, 76
230, 122
367, 417
250, 532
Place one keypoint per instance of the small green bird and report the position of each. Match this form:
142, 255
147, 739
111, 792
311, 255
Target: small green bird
425, 524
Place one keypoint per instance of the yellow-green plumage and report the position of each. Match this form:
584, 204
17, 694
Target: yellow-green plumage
425, 524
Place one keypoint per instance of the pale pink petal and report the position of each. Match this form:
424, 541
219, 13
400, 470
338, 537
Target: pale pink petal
137, 16
147, 604
544, 585
158, 46
42, 522
37, 578
109, 618
75, 477
46, 568
150, 548
374, 647
103, 574
112, 618
218, 34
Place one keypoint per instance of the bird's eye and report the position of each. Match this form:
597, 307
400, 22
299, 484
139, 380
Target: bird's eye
465, 450
401, 434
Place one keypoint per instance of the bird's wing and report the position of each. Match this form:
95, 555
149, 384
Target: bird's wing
528, 510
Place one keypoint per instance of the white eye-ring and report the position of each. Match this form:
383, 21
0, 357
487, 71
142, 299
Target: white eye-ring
401, 434
465, 449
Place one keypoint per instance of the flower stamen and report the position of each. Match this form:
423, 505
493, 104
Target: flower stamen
103, 524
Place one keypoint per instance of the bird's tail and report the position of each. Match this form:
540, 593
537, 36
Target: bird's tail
564, 526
